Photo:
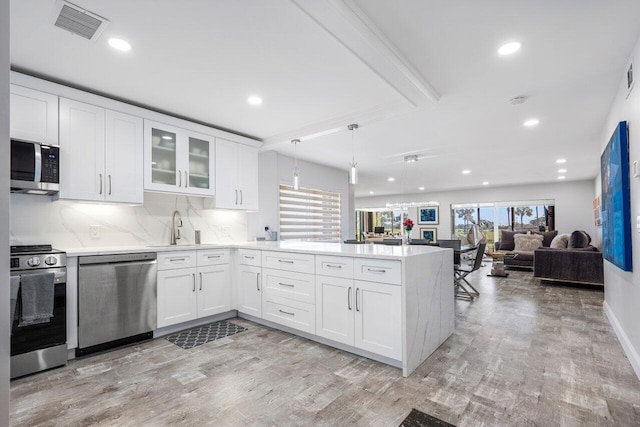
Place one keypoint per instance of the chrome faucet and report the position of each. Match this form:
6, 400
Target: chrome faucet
175, 233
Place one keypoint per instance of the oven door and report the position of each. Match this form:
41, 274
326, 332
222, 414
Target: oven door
54, 332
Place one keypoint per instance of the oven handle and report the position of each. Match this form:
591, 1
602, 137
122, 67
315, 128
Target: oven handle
60, 273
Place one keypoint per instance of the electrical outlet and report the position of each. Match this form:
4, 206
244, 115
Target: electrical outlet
96, 231
225, 231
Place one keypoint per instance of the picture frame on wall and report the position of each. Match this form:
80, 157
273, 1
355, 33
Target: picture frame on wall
429, 215
429, 234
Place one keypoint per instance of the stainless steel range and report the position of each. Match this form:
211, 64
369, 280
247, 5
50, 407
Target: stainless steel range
39, 323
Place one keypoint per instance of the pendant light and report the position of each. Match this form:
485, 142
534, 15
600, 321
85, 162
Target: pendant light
296, 172
353, 172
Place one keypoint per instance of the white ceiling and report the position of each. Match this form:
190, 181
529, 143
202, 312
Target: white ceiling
419, 77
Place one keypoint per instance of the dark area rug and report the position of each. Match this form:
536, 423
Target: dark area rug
204, 334
420, 419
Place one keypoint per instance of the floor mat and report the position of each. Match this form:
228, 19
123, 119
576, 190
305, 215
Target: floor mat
420, 419
204, 334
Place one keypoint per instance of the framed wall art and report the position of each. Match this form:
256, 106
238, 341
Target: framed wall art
429, 234
428, 215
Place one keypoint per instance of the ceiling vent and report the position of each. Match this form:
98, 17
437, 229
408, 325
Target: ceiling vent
79, 21
517, 100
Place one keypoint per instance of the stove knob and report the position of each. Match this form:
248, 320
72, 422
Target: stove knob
51, 260
33, 262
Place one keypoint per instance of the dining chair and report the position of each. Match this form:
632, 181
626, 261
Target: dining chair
462, 271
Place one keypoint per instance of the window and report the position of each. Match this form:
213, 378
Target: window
309, 214
367, 221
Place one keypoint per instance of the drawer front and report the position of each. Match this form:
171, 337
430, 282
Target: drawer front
300, 263
378, 270
286, 284
334, 266
250, 257
294, 314
213, 257
179, 259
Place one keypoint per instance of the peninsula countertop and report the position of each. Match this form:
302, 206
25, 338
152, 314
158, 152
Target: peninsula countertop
317, 248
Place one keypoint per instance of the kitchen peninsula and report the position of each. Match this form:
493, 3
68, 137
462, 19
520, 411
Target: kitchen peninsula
394, 304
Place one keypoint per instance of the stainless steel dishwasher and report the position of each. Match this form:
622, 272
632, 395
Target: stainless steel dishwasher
116, 300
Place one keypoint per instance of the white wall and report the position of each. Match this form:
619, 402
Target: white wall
275, 169
573, 203
622, 289
66, 224
4, 213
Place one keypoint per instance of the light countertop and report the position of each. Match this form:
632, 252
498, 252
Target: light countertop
318, 248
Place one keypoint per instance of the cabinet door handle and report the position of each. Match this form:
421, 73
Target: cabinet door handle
286, 312
286, 284
100, 183
375, 270
186, 179
214, 256
285, 261
240, 197
194, 282
179, 178
176, 259
236, 197
349, 297
109, 183
357, 307
334, 266
249, 257
200, 281
258, 281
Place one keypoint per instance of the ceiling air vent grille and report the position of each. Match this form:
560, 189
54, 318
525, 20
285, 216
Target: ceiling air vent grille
79, 21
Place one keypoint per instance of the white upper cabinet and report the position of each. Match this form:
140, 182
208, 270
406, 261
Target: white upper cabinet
100, 154
123, 159
178, 160
34, 115
236, 176
82, 136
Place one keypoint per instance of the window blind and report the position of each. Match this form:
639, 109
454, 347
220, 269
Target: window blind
309, 214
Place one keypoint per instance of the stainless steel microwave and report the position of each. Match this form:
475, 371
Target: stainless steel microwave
35, 168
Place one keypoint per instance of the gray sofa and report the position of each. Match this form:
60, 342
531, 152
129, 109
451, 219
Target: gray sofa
576, 265
523, 259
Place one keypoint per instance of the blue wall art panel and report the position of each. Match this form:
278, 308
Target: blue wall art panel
616, 206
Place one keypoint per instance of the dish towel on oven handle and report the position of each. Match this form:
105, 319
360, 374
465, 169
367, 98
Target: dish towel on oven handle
13, 297
37, 298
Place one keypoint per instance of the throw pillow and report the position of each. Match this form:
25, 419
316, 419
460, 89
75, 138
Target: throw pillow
506, 240
547, 237
579, 239
527, 242
561, 241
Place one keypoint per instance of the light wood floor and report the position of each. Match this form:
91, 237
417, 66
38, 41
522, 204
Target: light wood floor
522, 354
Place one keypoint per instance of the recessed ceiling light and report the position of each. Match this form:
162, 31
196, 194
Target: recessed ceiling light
531, 122
119, 44
485, 182
254, 100
391, 179
466, 172
560, 161
561, 177
562, 171
166, 137
371, 192
509, 48
421, 188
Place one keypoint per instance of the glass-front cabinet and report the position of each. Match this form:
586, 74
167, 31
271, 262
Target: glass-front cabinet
178, 160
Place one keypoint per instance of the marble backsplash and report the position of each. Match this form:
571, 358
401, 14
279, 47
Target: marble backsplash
67, 224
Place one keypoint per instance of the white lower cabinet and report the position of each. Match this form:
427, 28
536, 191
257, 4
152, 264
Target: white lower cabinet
288, 298
177, 301
334, 309
362, 314
187, 292
214, 290
378, 318
249, 290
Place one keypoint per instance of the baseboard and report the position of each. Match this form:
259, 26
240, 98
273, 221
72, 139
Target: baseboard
628, 348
